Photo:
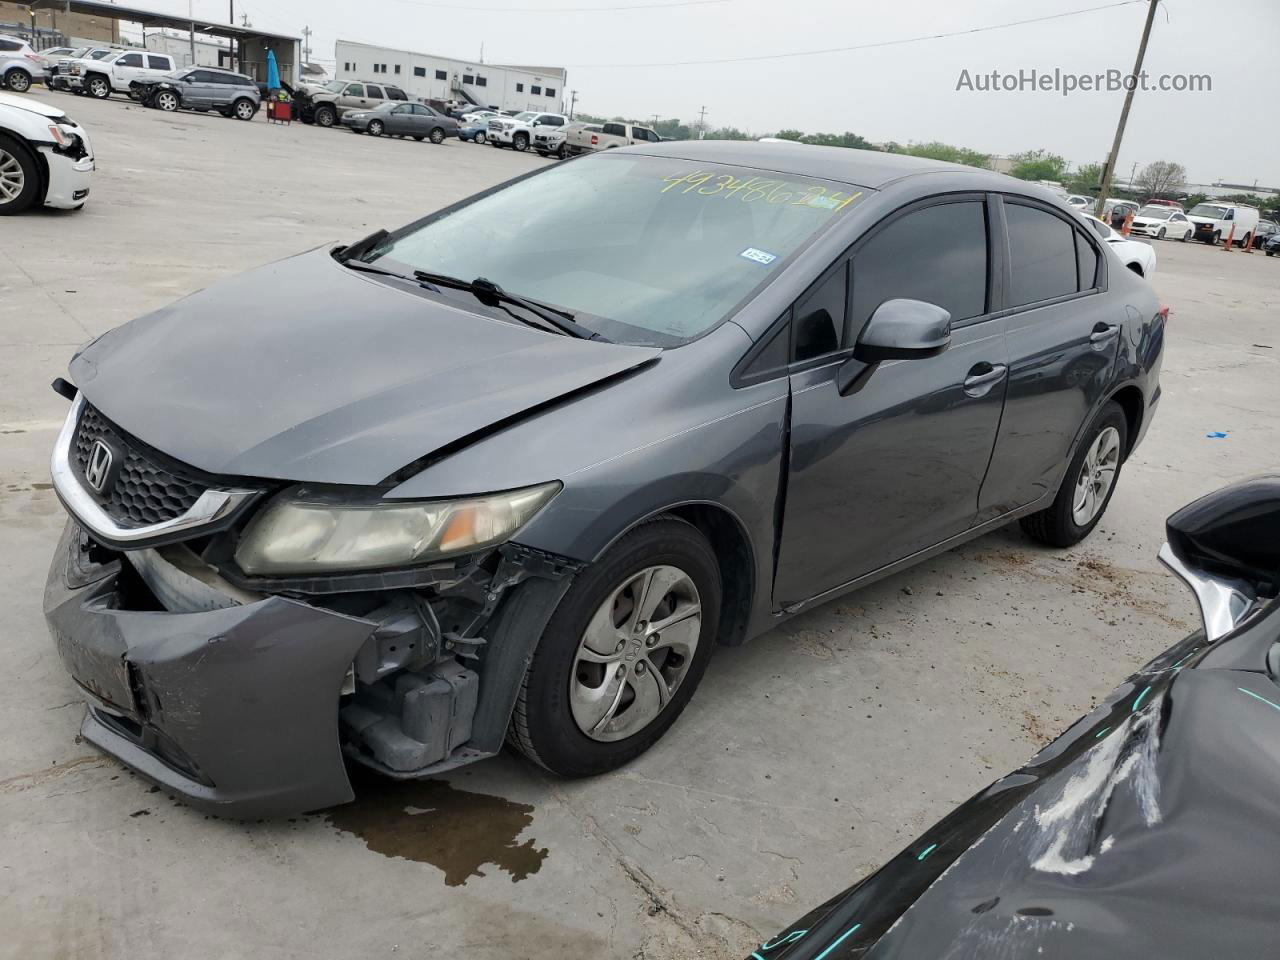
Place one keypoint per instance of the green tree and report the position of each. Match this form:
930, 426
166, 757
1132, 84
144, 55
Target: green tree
1085, 180
797, 135
1163, 178
1195, 200
673, 129
728, 133
1038, 165
936, 150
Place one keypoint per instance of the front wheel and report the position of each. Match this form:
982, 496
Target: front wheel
375, 128
167, 101
623, 653
19, 177
99, 88
521, 142
325, 116
244, 109
1217, 238
437, 135
1160, 235
479, 137
1089, 482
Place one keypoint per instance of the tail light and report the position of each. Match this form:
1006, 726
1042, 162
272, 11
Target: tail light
594, 140
1164, 312
33, 58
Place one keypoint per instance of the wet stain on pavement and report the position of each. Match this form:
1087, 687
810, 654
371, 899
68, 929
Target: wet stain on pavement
429, 821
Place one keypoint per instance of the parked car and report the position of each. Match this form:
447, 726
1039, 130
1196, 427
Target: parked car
534, 486
1272, 245
553, 141
69, 73
477, 131
326, 106
57, 70
200, 88
1215, 221
1264, 231
19, 64
517, 132
607, 137
1137, 256
118, 71
402, 120
1081, 202
1150, 821
1115, 211
1164, 203
45, 158
1161, 222
48, 59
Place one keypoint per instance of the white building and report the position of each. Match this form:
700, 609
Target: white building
210, 52
429, 77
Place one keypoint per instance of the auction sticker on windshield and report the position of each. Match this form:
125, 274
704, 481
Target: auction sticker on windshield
759, 256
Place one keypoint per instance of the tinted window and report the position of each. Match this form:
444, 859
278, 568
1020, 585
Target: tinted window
1086, 263
1042, 255
420, 72
553, 121
535, 90
375, 92
441, 75
551, 91
10, 45
130, 60
938, 255
395, 93
819, 316
615, 129
773, 356
354, 90
159, 63
519, 86
203, 76
482, 81
468, 79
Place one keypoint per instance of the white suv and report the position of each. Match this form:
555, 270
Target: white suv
114, 72
19, 64
517, 132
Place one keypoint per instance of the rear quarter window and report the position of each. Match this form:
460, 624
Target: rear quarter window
1042, 255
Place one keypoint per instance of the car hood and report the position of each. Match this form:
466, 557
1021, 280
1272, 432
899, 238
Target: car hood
30, 106
308, 371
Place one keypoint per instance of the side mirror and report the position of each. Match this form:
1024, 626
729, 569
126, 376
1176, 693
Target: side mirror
1226, 547
904, 330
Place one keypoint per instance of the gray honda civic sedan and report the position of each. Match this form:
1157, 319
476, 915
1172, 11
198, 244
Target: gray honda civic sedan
511, 472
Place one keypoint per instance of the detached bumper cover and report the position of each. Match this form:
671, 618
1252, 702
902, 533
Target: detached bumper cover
236, 710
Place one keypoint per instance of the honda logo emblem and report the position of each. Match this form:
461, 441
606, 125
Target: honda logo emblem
98, 468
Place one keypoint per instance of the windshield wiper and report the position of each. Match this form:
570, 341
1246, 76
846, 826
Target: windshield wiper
490, 294
358, 249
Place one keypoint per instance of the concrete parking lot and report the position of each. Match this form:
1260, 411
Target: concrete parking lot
806, 759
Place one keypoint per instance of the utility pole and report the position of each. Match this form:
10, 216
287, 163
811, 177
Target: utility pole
573, 102
702, 122
306, 45
1133, 174
1109, 170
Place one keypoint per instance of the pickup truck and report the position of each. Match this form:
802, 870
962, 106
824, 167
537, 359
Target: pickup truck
606, 136
99, 78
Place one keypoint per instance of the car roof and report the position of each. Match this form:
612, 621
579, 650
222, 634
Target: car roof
866, 168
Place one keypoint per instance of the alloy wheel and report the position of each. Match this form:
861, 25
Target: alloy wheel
244, 110
167, 101
12, 177
437, 136
19, 82
479, 137
99, 88
634, 653
1097, 474
375, 128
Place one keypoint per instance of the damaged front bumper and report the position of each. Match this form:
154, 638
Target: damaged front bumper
248, 705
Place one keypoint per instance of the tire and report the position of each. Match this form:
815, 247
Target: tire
1160, 235
19, 177
19, 81
543, 154
1058, 525
167, 101
99, 87
375, 128
479, 137
1244, 241
1269, 253
520, 142
326, 116
1216, 239
437, 135
562, 152
1185, 236
244, 109
544, 726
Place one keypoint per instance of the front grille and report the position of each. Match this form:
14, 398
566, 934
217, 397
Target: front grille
142, 490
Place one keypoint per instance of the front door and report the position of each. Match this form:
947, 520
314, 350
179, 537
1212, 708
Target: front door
1064, 336
896, 465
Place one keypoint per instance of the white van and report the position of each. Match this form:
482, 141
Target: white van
1213, 221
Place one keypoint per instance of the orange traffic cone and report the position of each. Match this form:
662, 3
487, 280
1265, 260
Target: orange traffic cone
1248, 247
1230, 237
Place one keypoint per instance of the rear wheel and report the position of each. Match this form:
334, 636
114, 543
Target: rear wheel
479, 137
437, 135
167, 101
623, 653
244, 109
375, 128
99, 87
19, 81
1089, 482
19, 177
325, 116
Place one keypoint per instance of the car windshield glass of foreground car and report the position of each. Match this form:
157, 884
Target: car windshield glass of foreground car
642, 249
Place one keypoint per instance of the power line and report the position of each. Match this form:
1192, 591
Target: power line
860, 46
630, 6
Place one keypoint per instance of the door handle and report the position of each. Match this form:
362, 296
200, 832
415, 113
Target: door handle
1103, 332
979, 383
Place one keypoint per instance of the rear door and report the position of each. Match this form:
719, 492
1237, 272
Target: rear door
894, 466
1063, 334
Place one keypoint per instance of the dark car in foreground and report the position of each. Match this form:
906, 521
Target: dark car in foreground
1149, 828
402, 120
200, 88
512, 471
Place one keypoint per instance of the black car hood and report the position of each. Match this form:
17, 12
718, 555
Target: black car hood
1152, 828
306, 370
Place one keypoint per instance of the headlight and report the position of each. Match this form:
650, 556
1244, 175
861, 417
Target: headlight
305, 531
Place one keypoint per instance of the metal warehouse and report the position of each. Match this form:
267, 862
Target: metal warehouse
432, 77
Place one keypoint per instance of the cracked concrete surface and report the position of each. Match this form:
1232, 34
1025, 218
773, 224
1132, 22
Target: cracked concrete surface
807, 758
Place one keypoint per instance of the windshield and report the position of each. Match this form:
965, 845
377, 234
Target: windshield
527, 115
78, 52
1156, 213
644, 249
1208, 210
112, 58
99, 54
335, 86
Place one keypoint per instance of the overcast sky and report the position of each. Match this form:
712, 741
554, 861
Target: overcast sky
904, 93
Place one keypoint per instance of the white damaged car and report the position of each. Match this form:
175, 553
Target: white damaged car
45, 158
